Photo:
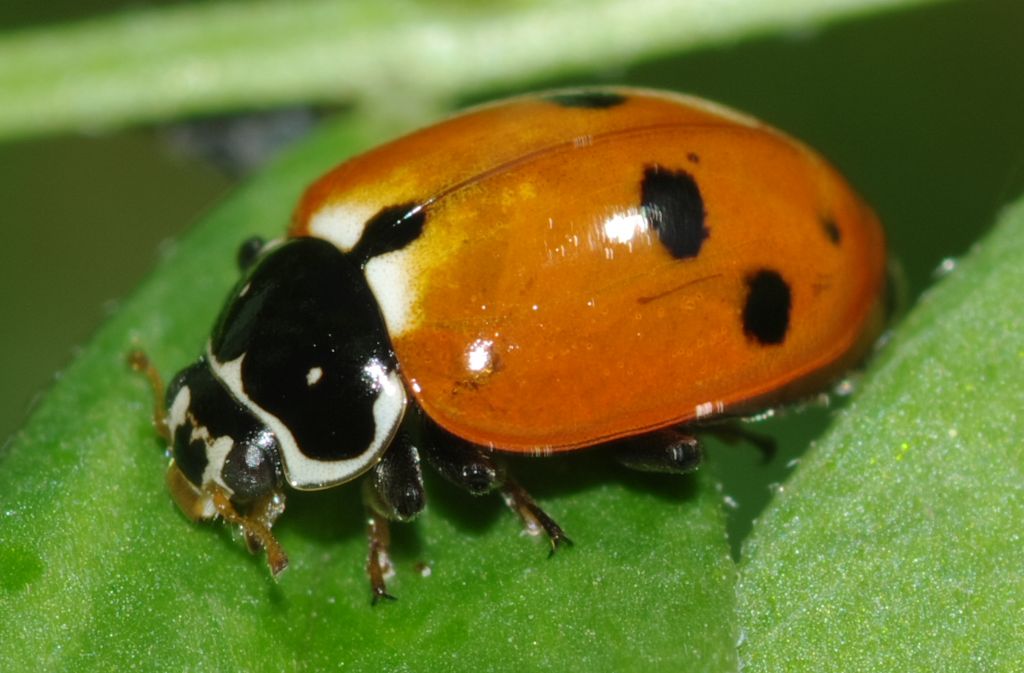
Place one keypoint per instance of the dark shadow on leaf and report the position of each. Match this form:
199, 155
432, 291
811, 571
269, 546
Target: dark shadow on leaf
670, 488
472, 514
326, 516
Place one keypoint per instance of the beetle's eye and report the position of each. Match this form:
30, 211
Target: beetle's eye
252, 468
249, 251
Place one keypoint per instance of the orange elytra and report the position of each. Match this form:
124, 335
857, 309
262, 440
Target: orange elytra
544, 306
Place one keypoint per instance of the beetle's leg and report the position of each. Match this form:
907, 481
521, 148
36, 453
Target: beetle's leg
468, 466
474, 469
378, 562
264, 511
534, 518
393, 491
665, 451
733, 431
212, 499
142, 364
193, 503
255, 527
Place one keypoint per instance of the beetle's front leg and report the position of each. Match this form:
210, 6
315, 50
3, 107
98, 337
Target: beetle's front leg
393, 491
213, 500
256, 527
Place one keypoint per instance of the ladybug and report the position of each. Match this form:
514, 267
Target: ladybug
539, 275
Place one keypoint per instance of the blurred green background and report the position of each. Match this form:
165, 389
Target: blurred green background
923, 109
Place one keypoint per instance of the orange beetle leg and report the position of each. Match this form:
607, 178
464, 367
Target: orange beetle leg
141, 363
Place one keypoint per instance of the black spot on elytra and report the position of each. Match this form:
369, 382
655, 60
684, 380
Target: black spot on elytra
828, 224
672, 203
392, 228
766, 311
591, 100
693, 157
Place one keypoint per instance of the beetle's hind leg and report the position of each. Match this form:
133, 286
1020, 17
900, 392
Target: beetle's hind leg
664, 451
534, 518
678, 451
473, 468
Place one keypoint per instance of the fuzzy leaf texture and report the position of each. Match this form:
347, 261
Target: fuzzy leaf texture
897, 544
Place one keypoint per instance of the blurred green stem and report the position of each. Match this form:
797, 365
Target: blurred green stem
398, 55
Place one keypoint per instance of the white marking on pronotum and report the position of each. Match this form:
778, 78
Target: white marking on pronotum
178, 413
308, 474
217, 449
391, 279
313, 376
342, 224
177, 416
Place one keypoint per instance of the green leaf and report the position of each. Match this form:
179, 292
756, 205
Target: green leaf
897, 544
398, 55
99, 571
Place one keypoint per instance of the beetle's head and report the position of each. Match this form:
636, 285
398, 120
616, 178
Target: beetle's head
216, 439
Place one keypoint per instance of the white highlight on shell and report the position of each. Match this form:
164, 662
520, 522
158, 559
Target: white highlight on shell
626, 226
390, 278
341, 224
709, 409
313, 376
308, 474
480, 355
381, 377
253, 456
